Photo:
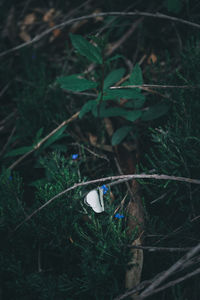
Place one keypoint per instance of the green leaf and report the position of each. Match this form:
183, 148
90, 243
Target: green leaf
154, 112
120, 134
136, 103
86, 49
19, 151
75, 84
87, 107
113, 77
115, 57
114, 94
131, 115
136, 76
174, 6
38, 135
57, 135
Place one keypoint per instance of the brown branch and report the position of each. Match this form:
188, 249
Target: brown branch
130, 14
120, 179
37, 146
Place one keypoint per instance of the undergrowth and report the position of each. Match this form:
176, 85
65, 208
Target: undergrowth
67, 251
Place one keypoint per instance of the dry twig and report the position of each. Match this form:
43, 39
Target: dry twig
119, 179
103, 14
144, 86
37, 146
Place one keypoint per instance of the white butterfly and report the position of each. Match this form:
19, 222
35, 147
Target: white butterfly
94, 199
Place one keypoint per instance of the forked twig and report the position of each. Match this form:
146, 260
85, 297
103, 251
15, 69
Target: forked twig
171, 283
150, 285
170, 271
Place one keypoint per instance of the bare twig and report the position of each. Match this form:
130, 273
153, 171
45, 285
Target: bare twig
91, 16
119, 179
143, 284
170, 271
171, 283
167, 249
37, 146
144, 86
8, 140
117, 44
2, 122
90, 151
4, 89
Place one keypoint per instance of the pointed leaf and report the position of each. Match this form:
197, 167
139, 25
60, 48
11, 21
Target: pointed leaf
136, 76
57, 135
174, 6
38, 135
113, 77
75, 83
86, 49
155, 112
87, 107
131, 115
114, 94
136, 103
120, 134
19, 151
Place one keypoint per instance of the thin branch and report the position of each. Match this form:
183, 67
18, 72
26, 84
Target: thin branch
171, 283
145, 283
144, 86
2, 122
8, 141
90, 151
91, 16
39, 144
125, 36
119, 179
168, 249
170, 271
159, 198
4, 89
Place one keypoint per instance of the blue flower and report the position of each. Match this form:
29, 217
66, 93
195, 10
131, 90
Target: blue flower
104, 188
10, 178
74, 156
118, 216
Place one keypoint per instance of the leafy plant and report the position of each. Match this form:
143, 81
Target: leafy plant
108, 101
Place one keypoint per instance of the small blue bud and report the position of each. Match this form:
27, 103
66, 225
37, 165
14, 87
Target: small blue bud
74, 156
118, 216
104, 188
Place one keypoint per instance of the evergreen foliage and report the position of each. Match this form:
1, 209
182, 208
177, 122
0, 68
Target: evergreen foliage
65, 251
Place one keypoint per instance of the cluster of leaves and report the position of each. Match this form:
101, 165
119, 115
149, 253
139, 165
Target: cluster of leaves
107, 102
